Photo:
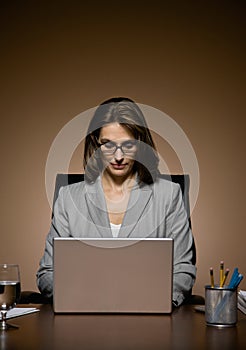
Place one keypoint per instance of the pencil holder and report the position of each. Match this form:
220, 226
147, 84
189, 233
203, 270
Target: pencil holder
220, 306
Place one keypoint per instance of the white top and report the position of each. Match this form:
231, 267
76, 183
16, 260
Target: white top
115, 229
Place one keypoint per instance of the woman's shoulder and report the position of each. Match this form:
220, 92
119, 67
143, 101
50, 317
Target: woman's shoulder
166, 182
165, 187
72, 189
80, 188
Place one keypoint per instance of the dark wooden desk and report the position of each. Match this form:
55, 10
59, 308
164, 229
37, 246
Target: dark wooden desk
184, 329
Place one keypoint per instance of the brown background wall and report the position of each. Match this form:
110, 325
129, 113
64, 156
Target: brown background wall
186, 58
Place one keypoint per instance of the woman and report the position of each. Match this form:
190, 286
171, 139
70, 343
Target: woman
122, 195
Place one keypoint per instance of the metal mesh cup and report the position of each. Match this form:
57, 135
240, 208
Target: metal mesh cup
220, 306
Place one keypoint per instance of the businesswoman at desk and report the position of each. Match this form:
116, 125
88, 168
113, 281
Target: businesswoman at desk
122, 195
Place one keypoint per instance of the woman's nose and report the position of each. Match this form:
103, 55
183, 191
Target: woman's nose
118, 154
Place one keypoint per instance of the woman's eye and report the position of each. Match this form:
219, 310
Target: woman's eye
129, 145
109, 145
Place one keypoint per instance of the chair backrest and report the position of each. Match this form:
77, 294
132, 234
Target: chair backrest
182, 179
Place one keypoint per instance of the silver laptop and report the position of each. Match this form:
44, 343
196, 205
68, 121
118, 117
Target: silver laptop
113, 275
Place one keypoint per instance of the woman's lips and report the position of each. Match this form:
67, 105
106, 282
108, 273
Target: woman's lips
118, 166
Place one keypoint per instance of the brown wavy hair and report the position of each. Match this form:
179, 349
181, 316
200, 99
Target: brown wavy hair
126, 112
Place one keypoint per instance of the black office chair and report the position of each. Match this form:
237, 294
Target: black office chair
66, 179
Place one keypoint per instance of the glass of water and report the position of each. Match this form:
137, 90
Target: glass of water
9, 291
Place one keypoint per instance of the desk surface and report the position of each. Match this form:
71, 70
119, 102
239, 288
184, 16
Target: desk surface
184, 329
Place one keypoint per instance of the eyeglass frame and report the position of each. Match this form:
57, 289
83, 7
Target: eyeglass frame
116, 147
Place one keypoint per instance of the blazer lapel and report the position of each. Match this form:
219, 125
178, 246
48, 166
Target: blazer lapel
138, 201
97, 208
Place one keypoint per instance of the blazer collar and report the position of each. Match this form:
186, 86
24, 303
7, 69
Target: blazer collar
139, 199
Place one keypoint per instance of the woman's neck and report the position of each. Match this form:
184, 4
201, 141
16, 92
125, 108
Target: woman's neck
117, 184
117, 194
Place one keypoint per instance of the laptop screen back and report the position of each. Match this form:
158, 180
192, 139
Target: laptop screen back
113, 275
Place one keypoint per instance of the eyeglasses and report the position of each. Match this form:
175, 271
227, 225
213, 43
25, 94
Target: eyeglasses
127, 147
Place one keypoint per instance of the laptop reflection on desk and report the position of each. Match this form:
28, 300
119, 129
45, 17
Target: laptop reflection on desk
122, 275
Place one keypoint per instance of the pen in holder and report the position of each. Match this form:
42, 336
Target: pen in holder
220, 306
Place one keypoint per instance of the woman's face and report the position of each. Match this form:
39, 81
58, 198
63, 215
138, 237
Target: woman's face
118, 149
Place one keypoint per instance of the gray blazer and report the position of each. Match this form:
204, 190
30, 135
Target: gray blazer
155, 210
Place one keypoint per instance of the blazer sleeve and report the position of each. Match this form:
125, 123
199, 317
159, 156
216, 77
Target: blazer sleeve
184, 272
59, 228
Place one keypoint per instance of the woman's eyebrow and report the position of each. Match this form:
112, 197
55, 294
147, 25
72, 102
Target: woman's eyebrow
106, 140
